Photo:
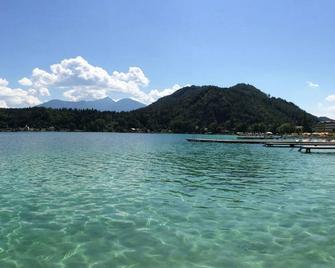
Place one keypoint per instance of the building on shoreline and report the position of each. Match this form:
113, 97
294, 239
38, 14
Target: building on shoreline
325, 126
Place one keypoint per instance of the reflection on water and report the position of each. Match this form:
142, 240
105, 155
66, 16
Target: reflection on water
137, 200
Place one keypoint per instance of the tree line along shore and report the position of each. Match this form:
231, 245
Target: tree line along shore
193, 109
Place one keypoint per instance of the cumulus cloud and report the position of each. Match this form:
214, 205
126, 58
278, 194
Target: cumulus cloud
85, 93
330, 98
15, 97
312, 84
79, 80
155, 94
3, 82
25, 82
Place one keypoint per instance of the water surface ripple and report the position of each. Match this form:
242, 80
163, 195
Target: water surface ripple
145, 200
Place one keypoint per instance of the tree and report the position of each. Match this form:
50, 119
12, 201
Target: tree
286, 128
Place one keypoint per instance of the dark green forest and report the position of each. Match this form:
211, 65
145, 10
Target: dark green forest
194, 109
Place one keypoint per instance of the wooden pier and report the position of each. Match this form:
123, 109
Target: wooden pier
308, 149
298, 143
304, 146
268, 143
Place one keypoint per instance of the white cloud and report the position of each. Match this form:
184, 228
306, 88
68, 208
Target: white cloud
329, 111
322, 109
3, 104
330, 98
15, 97
25, 82
79, 80
312, 84
325, 108
155, 94
85, 93
3, 82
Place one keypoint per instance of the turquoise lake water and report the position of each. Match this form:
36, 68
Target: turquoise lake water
147, 200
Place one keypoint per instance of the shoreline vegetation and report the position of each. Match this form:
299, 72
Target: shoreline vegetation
313, 135
194, 109
38, 121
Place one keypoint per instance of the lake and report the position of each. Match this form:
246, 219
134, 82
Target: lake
155, 200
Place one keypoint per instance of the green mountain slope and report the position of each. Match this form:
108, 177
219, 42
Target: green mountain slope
241, 108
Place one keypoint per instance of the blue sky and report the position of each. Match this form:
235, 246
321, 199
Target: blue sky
285, 48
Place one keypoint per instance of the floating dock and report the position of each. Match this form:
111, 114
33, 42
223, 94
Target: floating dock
268, 143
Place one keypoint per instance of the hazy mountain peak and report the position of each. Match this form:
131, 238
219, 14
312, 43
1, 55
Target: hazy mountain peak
104, 104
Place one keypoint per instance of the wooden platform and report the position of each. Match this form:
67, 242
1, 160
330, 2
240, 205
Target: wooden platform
316, 147
268, 143
298, 143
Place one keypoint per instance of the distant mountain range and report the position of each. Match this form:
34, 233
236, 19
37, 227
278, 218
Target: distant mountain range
325, 119
105, 104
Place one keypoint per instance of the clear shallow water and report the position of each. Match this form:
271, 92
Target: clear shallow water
136, 200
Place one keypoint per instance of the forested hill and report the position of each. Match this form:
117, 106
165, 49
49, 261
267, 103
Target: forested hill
242, 108
192, 109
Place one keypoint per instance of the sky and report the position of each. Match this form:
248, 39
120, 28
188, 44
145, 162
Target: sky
81, 49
